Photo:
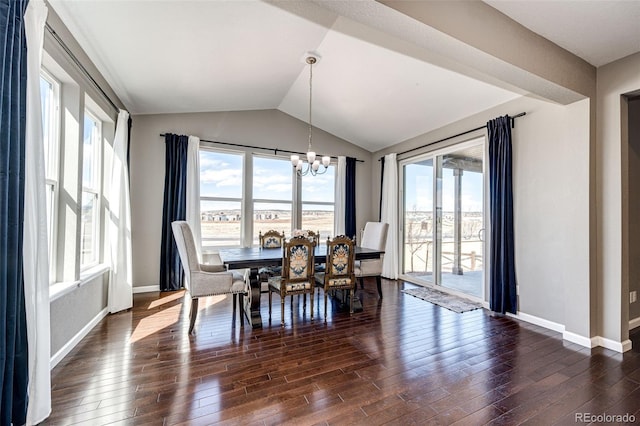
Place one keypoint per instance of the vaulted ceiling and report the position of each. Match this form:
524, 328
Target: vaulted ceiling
369, 87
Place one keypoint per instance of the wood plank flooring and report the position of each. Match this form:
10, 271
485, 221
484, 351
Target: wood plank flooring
400, 361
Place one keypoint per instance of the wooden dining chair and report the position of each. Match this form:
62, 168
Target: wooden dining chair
339, 269
297, 273
269, 240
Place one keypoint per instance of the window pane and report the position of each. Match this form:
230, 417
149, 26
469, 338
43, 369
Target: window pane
220, 223
47, 99
268, 216
318, 217
272, 179
319, 187
90, 151
220, 174
49, 192
88, 229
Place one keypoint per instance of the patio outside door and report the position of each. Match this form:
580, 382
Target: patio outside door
443, 218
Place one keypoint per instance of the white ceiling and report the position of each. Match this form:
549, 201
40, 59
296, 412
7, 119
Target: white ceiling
191, 56
598, 31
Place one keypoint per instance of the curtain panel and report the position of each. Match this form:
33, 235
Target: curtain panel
14, 355
193, 192
121, 280
339, 213
502, 275
36, 245
350, 198
174, 208
389, 214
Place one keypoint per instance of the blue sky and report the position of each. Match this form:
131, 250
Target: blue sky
419, 189
221, 176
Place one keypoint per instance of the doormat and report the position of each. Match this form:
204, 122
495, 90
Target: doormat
446, 300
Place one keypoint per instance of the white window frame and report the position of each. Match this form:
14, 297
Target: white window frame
95, 189
52, 168
318, 203
291, 202
240, 200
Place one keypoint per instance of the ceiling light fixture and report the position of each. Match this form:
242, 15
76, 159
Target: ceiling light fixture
312, 165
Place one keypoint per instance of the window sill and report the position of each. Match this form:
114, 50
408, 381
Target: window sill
63, 288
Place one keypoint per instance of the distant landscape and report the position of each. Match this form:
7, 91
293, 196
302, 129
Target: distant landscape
222, 228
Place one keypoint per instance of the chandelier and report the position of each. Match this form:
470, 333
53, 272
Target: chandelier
312, 165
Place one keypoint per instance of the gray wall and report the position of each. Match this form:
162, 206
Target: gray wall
634, 204
264, 128
551, 204
73, 311
615, 80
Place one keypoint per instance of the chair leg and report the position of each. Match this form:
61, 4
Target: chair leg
361, 279
379, 284
351, 301
241, 303
282, 309
311, 301
235, 298
270, 304
193, 314
325, 306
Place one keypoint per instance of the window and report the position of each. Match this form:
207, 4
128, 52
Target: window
272, 195
50, 102
221, 177
90, 205
318, 202
273, 204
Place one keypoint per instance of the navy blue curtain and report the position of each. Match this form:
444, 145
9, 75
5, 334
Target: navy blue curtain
502, 278
350, 198
13, 329
174, 208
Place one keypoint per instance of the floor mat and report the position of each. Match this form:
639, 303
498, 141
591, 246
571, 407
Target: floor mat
446, 300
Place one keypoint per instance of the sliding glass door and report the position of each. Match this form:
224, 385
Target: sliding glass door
443, 218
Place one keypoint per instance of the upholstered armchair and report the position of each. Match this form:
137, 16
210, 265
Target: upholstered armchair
339, 269
206, 280
374, 237
297, 273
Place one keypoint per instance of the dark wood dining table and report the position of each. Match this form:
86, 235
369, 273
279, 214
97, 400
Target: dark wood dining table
254, 258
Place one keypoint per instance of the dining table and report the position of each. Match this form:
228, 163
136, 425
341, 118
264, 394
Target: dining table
254, 258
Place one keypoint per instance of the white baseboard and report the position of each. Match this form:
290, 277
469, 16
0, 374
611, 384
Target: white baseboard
539, 321
64, 351
612, 344
580, 339
574, 337
634, 323
146, 289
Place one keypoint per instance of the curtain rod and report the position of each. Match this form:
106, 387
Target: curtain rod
459, 134
275, 150
82, 68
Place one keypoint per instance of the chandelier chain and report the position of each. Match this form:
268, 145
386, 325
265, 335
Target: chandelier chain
311, 62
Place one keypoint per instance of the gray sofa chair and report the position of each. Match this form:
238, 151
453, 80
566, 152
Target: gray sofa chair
207, 280
374, 237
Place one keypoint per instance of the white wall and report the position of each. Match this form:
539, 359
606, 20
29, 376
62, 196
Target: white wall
551, 204
265, 128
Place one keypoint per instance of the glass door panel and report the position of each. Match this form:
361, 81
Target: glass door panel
462, 220
418, 220
443, 218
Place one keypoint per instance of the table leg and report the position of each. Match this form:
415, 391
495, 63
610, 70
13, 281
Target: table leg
252, 311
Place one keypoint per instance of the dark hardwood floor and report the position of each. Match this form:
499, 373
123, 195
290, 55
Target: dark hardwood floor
400, 361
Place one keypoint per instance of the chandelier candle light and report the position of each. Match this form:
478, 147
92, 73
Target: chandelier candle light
312, 165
